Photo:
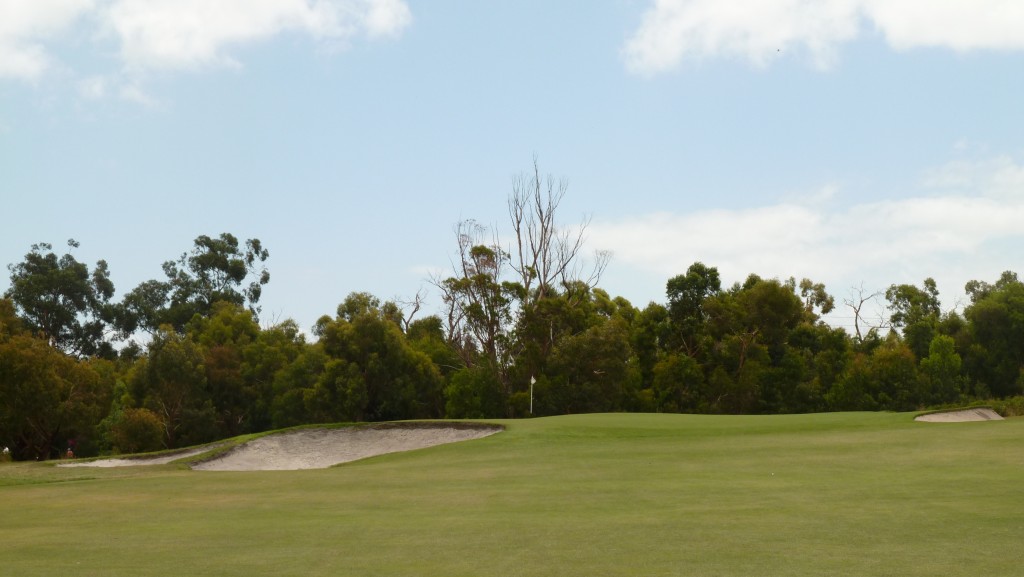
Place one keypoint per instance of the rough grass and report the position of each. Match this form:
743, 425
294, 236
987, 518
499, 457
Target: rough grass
835, 494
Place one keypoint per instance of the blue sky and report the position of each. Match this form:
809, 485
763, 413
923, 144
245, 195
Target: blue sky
854, 142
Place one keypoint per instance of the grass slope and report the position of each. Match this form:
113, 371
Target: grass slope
836, 494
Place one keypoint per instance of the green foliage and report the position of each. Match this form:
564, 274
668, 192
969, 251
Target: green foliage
10, 324
427, 336
678, 380
478, 302
687, 294
137, 431
815, 297
910, 304
210, 371
171, 382
856, 390
941, 377
979, 290
292, 385
591, 372
650, 329
474, 393
224, 338
1008, 407
894, 372
339, 394
381, 376
216, 270
50, 400
61, 300
787, 386
273, 351
997, 328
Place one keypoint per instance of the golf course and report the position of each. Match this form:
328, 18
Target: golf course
604, 494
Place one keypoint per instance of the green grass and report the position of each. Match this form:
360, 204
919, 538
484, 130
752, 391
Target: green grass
836, 494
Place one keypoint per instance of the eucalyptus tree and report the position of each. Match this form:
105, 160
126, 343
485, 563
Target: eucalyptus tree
171, 382
500, 299
371, 372
225, 337
686, 296
996, 318
941, 377
545, 254
886, 379
47, 398
60, 299
216, 269
592, 371
815, 298
915, 310
478, 302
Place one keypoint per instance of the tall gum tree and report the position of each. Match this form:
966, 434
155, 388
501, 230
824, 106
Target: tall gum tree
496, 296
917, 311
49, 399
217, 269
996, 318
61, 299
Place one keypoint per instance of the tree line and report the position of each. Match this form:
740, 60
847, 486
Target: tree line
522, 326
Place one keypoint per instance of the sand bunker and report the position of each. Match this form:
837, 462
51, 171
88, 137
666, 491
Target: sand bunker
322, 448
141, 461
979, 414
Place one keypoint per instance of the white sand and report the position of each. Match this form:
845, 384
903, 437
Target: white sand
322, 448
980, 414
162, 460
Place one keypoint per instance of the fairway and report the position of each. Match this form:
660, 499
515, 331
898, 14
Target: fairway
615, 494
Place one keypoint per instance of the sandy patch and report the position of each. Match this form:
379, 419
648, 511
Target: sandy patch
141, 461
979, 414
322, 448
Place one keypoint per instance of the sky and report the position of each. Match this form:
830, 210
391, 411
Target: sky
858, 143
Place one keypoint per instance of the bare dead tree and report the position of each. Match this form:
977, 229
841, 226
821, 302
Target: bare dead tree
453, 313
856, 304
476, 300
409, 308
491, 289
545, 255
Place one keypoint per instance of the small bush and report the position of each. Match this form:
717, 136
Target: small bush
1009, 407
137, 431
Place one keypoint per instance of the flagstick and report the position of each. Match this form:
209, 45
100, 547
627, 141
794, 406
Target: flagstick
532, 380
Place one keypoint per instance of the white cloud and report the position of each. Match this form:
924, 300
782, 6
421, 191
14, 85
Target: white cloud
181, 34
958, 24
187, 34
821, 195
387, 17
25, 26
761, 30
125, 88
953, 237
93, 88
999, 178
132, 92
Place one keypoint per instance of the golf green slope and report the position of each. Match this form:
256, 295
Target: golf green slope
834, 494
